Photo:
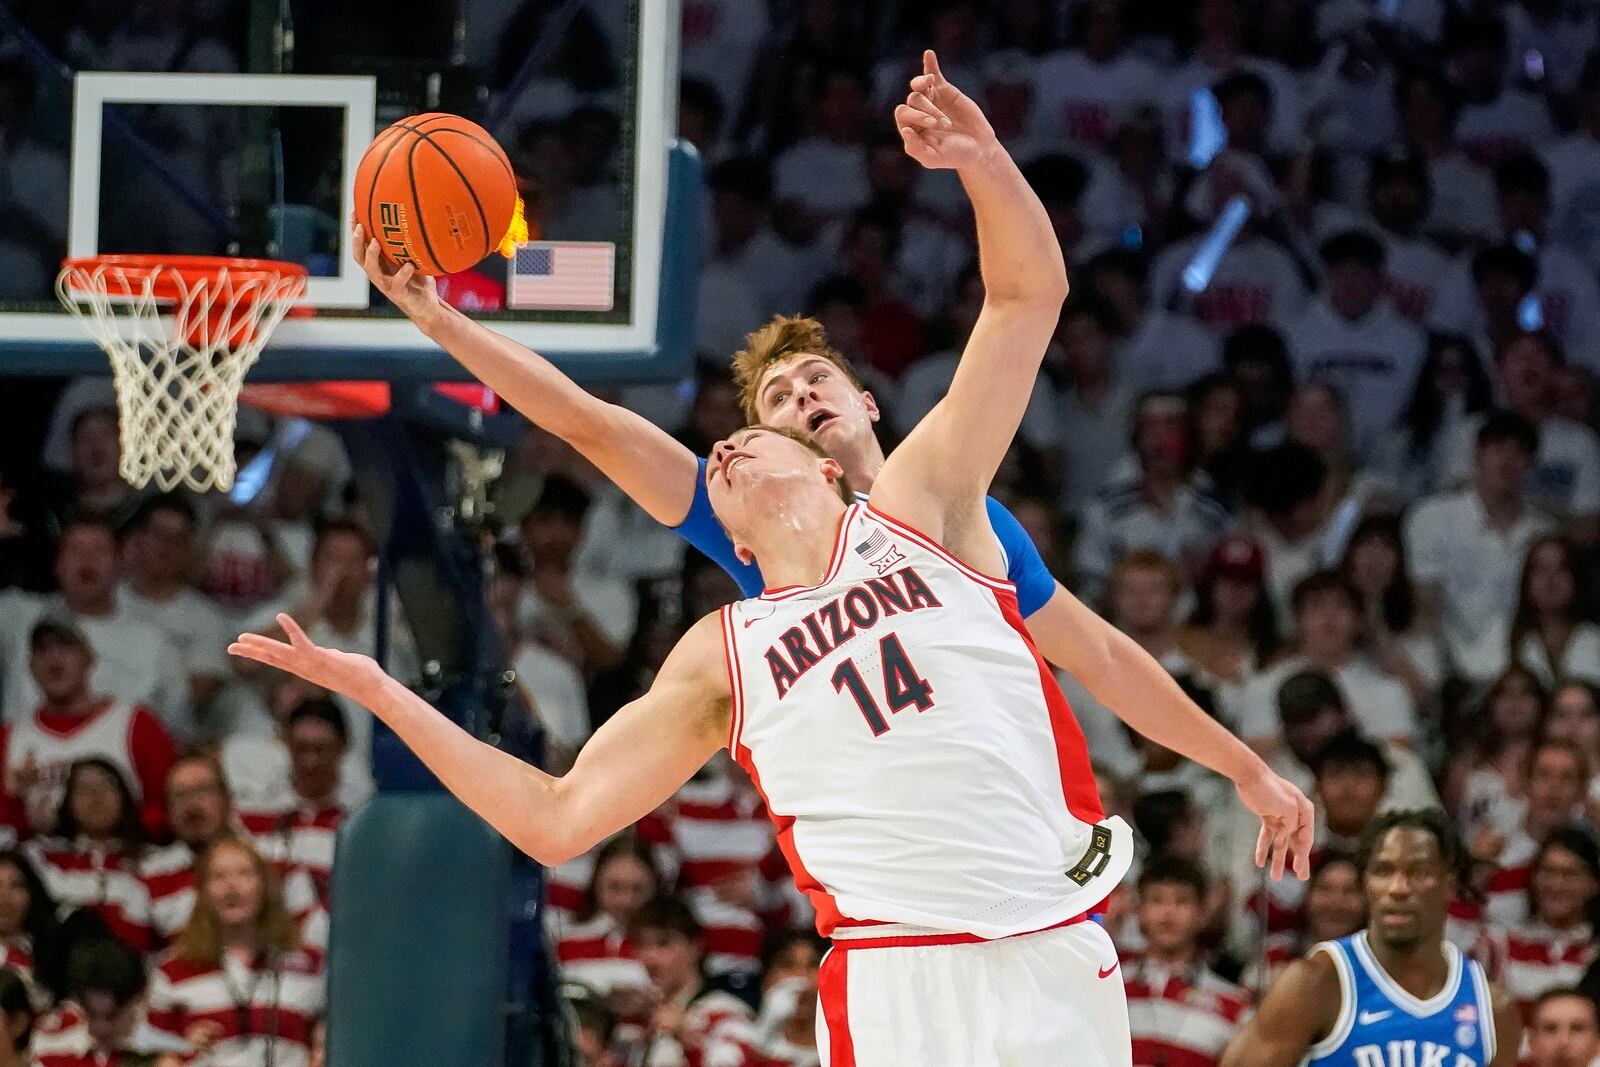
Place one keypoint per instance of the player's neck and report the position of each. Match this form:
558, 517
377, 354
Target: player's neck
861, 464
1420, 969
795, 546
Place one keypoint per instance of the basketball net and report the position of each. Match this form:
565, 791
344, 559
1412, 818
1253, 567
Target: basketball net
181, 332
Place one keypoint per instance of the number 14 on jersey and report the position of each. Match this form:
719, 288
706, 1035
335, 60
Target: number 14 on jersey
903, 687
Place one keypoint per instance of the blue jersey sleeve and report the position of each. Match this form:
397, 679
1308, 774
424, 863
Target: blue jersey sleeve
702, 530
1024, 566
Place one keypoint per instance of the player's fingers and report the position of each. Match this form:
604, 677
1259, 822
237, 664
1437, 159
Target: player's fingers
373, 263
292, 631
258, 648
1263, 844
1280, 851
930, 65
403, 276
1305, 836
906, 115
927, 107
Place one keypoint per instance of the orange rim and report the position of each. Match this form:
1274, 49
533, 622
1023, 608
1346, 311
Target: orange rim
319, 400
168, 271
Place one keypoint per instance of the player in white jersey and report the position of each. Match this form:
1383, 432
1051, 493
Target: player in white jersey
931, 789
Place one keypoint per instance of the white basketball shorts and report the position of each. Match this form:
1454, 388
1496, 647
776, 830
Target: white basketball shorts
1053, 997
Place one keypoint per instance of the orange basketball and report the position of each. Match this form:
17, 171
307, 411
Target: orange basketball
435, 190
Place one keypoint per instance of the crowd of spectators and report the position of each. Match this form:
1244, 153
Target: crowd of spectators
1344, 486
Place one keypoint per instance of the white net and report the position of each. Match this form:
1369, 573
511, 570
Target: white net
180, 341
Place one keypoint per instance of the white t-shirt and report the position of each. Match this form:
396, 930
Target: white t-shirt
1092, 440
1168, 351
1287, 120
1078, 103
620, 540
1463, 198
1255, 281
828, 177
1120, 519
1415, 268
1566, 469
720, 42
1476, 569
1378, 703
557, 692
1574, 163
1513, 121
192, 623
782, 274
133, 661
609, 603
1373, 361
926, 382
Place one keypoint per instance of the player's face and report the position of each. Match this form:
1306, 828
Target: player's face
1408, 888
1169, 917
233, 886
1564, 1034
1335, 907
196, 803
812, 395
757, 477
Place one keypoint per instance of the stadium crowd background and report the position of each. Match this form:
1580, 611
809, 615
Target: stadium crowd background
1348, 493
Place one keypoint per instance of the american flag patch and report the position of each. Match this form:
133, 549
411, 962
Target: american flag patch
562, 276
1467, 1013
873, 546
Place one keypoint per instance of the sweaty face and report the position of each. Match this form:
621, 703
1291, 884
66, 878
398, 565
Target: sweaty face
1564, 1033
1408, 888
757, 476
233, 886
1169, 917
813, 396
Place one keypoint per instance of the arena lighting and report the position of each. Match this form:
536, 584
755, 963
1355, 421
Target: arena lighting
1197, 275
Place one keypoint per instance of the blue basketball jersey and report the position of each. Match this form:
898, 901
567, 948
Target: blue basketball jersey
1381, 1025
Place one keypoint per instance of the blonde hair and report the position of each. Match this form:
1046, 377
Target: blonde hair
200, 941
785, 337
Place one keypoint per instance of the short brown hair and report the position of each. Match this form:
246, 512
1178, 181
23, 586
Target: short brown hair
841, 484
784, 337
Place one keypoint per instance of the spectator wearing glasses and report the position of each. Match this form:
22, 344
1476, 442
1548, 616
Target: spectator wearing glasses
237, 985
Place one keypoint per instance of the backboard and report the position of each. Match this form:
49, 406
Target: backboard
195, 158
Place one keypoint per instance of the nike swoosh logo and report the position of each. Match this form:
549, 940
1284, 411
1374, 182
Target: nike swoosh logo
1368, 1017
1107, 972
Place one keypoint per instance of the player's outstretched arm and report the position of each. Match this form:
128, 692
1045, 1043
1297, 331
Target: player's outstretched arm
1125, 678
1298, 1011
945, 466
640, 457
632, 765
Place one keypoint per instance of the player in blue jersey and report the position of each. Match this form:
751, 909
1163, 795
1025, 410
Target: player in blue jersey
1396, 994
792, 379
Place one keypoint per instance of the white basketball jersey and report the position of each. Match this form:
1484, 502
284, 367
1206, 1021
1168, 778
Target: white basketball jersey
105, 734
922, 766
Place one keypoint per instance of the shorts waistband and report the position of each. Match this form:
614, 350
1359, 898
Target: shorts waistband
904, 935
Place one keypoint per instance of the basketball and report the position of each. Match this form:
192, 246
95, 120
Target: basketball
437, 191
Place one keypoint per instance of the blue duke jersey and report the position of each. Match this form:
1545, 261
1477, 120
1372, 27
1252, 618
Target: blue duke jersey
1025, 568
1381, 1025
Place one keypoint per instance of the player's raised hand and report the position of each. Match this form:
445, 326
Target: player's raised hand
416, 295
942, 128
1288, 823
345, 673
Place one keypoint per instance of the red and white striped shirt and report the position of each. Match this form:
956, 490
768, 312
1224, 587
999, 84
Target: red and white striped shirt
265, 1012
1180, 1017
719, 1031
292, 834
103, 879
1532, 957
566, 886
62, 1040
170, 878
724, 836
596, 953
